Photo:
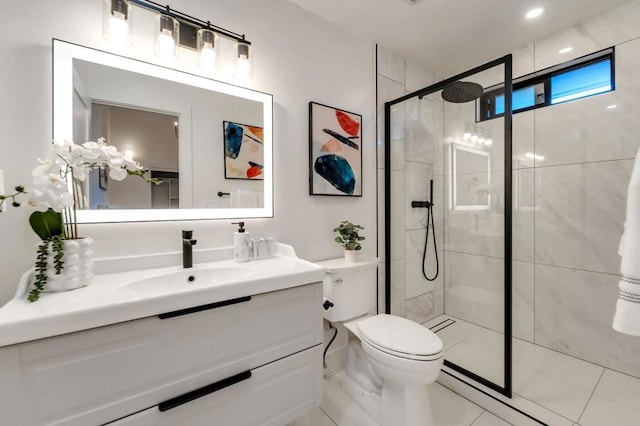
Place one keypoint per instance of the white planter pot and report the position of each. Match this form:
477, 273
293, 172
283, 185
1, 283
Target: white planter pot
77, 267
351, 256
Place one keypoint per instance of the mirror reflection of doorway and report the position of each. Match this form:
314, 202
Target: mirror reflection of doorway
150, 138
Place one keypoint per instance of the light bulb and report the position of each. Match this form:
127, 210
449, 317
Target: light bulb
480, 139
118, 31
243, 60
488, 142
474, 138
466, 136
208, 57
166, 44
534, 13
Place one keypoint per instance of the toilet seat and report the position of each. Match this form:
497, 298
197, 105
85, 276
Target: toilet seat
400, 337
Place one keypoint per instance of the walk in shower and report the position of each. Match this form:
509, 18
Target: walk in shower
454, 201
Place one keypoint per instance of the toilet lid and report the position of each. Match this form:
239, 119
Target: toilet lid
399, 335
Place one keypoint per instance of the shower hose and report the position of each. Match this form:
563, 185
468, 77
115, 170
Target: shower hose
430, 221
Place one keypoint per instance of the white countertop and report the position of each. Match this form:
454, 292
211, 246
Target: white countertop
111, 299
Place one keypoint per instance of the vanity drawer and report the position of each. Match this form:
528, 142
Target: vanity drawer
99, 375
274, 394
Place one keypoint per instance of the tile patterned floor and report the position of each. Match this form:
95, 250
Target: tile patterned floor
450, 409
577, 391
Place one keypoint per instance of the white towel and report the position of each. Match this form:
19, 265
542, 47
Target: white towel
627, 317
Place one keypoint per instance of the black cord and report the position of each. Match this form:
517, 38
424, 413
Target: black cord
435, 246
324, 355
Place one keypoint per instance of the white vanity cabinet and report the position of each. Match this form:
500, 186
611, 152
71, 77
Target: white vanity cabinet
246, 361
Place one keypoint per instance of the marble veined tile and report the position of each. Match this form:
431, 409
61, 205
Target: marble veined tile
381, 214
601, 411
438, 135
620, 388
398, 288
391, 65
523, 300
608, 29
580, 213
586, 130
417, 77
419, 130
488, 419
389, 90
574, 312
453, 334
474, 289
315, 417
523, 215
420, 309
397, 214
418, 177
476, 224
451, 409
416, 283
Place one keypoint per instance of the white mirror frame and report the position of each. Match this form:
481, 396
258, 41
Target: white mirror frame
63, 55
453, 201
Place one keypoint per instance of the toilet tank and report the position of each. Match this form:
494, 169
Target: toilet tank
351, 287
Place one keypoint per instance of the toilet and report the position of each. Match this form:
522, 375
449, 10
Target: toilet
390, 360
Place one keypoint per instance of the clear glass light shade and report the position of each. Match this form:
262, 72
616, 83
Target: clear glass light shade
244, 60
208, 48
116, 22
168, 35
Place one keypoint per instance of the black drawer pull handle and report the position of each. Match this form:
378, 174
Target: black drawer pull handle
204, 307
206, 390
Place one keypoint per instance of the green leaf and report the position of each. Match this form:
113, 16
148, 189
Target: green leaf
47, 224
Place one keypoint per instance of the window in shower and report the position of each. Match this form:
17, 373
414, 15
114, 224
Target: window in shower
587, 76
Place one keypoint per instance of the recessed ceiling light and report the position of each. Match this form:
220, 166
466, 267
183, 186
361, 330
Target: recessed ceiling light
565, 50
534, 13
612, 106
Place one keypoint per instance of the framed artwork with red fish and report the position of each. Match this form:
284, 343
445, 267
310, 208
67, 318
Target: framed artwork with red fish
335, 151
243, 151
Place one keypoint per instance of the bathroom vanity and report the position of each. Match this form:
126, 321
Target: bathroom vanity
214, 344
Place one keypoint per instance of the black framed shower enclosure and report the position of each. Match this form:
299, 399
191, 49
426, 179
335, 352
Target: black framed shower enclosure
506, 63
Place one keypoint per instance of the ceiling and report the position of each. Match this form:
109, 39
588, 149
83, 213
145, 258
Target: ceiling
450, 36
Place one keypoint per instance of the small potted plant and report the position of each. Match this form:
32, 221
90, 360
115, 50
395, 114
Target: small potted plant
349, 239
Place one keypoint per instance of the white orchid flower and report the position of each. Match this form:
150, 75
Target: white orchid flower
118, 174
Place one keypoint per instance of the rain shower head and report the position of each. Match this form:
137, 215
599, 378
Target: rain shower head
460, 92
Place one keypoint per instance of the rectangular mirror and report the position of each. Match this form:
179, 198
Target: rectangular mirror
209, 142
470, 178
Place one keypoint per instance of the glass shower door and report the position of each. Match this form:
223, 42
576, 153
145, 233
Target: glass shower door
463, 223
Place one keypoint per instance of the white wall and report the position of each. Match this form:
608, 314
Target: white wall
297, 57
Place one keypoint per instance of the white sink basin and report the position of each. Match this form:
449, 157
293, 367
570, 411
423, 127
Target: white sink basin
190, 278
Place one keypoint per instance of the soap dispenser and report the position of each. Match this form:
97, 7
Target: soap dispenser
241, 244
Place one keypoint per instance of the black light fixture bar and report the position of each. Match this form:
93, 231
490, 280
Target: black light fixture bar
189, 20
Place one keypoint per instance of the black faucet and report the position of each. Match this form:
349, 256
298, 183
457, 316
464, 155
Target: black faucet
187, 248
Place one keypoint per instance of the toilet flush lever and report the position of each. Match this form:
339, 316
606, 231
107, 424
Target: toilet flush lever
338, 281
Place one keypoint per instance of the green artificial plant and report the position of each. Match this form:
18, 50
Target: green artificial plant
349, 238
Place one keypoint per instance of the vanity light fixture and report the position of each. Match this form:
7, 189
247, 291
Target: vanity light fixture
175, 29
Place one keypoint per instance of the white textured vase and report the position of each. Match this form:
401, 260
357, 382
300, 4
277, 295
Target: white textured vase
351, 256
77, 266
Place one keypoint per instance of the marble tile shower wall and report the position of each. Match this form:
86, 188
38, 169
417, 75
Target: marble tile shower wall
569, 206
413, 135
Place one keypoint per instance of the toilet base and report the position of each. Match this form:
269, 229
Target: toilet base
405, 405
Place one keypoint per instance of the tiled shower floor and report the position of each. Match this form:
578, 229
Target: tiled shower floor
569, 390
